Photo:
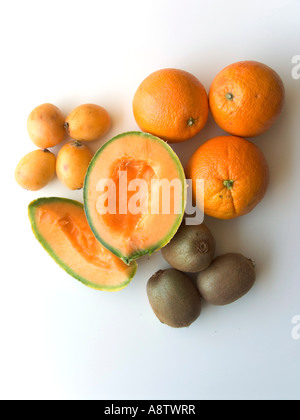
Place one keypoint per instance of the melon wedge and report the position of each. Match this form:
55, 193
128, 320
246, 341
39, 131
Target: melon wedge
61, 227
129, 231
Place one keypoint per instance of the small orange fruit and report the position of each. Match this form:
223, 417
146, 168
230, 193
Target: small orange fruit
45, 125
35, 170
246, 98
235, 174
87, 122
71, 164
171, 104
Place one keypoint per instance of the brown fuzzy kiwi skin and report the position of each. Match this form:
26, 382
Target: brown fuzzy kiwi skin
174, 298
191, 250
227, 279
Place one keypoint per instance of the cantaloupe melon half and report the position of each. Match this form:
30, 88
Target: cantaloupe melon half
61, 227
143, 176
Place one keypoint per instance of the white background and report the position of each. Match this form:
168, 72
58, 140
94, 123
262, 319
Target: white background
62, 340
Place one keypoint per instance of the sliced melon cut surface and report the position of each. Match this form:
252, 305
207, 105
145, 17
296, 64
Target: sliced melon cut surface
60, 225
144, 218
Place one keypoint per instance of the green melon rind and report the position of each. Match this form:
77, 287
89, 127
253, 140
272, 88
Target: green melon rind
33, 206
163, 242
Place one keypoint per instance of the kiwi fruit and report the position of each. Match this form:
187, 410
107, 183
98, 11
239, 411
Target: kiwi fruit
174, 298
227, 279
191, 250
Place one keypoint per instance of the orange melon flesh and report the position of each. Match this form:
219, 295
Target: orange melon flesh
135, 169
61, 227
145, 157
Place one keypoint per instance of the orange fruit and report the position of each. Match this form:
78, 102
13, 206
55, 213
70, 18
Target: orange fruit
87, 122
45, 125
246, 98
72, 163
171, 104
235, 174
